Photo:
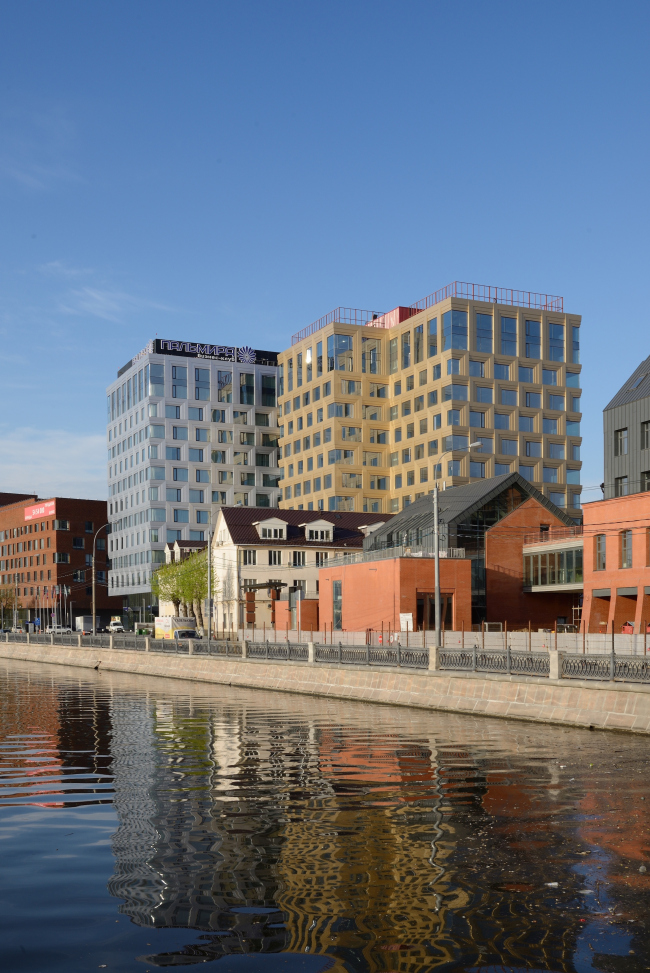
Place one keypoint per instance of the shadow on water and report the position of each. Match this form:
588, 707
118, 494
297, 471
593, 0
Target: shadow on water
262, 832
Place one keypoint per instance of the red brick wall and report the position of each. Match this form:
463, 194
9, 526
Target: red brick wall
308, 615
610, 517
375, 592
504, 572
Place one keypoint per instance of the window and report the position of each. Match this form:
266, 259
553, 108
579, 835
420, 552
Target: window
573, 477
573, 380
550, 474
477, 420
620, 486
371, 459
500, 469
225, 477
486, 443
341, 503
432, 398
179, 432
453, 467
556, 402
620, 442
410, 430
202, 383
378, 391
572, 427
172, 412
181, 516
575, 403
645, 481
371, 355
432, 332
453, 366
528, 472
406, 349
453, 417
626, 548
422, 378
482, 393
436, 372
477, 368
180, 473
526, 374
406, 408
246, 389
195, 455
533, 400
156, 380
558, 499
219, 456
549, 376
379, 483
508, 397
78, 543
436, 421
179, 382
275, 557
575, 333
526, 424
349, 388
556, 342
454, 392
509, 336
556, 450
433, 447
549, 426
218, 415
533, 345
398, 481
203, 516
575, 451
339, 353
397, 435
172, 495
406, 455
196, 496
533, 448
484, 333
477, 469
501, 420
423, 426
454, 330
202, 476
195, 414
455, 442
172, 452
509, 447
600, 552
340, 410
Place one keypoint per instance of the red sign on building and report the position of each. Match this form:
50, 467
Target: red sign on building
38, 510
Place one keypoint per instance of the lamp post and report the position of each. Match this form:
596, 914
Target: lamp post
436, 541
94, 599
209, 587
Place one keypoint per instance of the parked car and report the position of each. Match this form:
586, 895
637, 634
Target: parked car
113, 627
186, 633
58, 630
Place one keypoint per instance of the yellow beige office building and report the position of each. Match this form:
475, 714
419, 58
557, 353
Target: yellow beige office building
377, 408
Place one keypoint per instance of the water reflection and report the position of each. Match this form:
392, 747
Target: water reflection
363, 837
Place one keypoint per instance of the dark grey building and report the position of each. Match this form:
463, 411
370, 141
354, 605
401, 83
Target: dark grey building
626, 427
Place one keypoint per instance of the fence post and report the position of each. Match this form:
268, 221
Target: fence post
612, 661
244, 649
434, 659
146, 643
311, 654
505, 634
474, 657
584, 638
553, 665
51, 638
78, 639
190, 646
367, 653
462, 637
508, 658
340, 653
530, 637
267, 649
110, 641
482, 636
556, 634
399, 651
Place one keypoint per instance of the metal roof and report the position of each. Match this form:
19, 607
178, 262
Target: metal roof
633, 389
459, 503
240, 522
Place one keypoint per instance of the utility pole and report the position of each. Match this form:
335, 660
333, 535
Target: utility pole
94, 573
209, 587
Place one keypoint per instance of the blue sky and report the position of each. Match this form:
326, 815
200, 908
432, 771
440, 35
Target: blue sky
232, 171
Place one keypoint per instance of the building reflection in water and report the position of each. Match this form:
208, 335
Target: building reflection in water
265, 831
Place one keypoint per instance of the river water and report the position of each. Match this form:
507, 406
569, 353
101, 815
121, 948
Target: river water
147, 823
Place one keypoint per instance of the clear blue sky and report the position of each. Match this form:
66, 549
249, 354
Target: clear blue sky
232, 171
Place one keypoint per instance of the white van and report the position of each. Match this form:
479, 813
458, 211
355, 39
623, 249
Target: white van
58, 630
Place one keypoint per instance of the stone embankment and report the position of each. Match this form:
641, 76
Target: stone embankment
597, 704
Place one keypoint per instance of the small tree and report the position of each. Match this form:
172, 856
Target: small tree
7, 603
166, 584
194, 583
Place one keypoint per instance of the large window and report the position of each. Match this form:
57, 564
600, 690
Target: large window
620, 442
509, 336
268, 389
626, 548
339, 353
418, 344
337, 604
224, 386
533, 340
432, 328
246, 389
157, 380
179, 382
576, 346
601, 552
454, 330
454, 392
406, 349
202, 383
556, 342
484, 333
371, 356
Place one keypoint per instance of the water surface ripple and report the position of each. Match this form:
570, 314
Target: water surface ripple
146, 824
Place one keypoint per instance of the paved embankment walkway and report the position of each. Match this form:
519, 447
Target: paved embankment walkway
602, 705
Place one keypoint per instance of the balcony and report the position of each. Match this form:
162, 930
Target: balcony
552, 536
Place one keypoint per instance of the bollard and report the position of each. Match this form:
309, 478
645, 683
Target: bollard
52, 638
28, 638
190, 646
146, 644
110, 641
79, 642
311, 654
244, 649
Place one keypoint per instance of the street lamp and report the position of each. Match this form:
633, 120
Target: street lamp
94, 600
436, 541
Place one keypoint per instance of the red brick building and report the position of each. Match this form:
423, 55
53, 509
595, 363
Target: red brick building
373, 594
617, 563
46, 549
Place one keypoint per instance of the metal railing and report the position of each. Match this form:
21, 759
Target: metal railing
279, 651
552, 535
491, 295
370, 655
477, 660
340, 315
612, 667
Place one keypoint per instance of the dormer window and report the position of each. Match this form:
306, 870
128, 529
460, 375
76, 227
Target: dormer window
272, 533
319, 535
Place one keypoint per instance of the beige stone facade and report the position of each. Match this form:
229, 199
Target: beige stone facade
375, 411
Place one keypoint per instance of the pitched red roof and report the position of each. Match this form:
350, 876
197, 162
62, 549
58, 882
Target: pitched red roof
240, 521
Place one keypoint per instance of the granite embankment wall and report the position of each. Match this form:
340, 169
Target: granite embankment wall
605, 705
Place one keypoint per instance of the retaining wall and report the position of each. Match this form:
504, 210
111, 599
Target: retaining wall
604, 705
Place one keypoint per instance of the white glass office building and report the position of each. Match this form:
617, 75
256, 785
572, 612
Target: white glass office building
190, 427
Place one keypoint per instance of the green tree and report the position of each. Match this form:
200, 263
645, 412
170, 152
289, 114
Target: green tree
165, 584
194, 583
7, 596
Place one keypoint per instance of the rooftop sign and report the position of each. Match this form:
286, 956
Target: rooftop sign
231, 353
39, 510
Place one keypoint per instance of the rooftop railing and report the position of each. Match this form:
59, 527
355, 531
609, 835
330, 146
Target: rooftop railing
491, 295
552, 535
461, 289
